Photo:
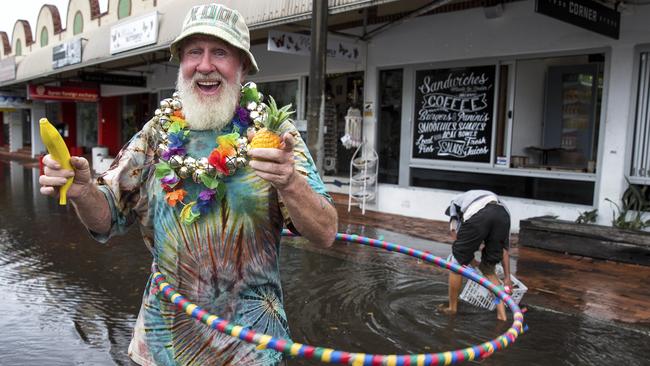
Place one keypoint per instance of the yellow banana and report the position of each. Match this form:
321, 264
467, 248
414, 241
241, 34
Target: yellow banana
59, 152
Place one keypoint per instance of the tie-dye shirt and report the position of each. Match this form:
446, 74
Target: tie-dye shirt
225, 262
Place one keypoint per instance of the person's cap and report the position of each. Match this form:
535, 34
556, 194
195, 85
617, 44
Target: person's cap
218, 21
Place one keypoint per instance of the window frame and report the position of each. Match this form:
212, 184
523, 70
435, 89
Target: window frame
636, 74
46, 34
301, 91
78, 15
121, 5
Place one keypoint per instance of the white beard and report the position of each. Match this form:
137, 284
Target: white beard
208, 112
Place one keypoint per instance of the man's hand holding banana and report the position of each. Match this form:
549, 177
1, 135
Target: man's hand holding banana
55, 177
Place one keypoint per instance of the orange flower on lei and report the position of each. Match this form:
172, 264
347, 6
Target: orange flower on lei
175, 196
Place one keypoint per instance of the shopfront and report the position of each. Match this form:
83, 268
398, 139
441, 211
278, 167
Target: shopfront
526, 128
72, 109
539, 117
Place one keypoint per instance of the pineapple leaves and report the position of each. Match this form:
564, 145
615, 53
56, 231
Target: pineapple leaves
275, 116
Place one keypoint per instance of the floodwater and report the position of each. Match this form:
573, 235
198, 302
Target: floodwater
67, 300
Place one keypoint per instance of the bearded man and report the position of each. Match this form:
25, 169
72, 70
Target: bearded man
216, 239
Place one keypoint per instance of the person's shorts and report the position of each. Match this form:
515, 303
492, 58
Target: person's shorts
490, 225
484, 267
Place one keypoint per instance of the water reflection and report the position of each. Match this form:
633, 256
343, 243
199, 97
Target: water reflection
68, 300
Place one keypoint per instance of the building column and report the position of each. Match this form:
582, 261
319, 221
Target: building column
2, 130
37, 112
109, 129
611, 171
15, 130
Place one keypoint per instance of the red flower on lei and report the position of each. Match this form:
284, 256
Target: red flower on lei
218, 161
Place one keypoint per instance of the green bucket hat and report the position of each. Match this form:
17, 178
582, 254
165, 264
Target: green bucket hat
218, 21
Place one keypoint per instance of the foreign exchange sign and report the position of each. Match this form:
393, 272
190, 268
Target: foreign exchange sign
64, 94
587, 14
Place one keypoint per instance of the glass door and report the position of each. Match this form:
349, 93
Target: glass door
87, 125
389, 124
570, 119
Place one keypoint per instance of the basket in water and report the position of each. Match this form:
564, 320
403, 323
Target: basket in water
477, 295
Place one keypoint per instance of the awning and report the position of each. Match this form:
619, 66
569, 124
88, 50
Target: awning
95, 45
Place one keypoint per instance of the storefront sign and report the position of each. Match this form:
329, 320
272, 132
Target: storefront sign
65, 54
587, 14
454, 113
69, 94
133, 33
7, 69
300, 44
12, 101
114, 79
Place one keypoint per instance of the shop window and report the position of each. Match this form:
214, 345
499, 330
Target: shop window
640, 167
19, 48
54, 113
123, 9
78, 23
284, 92
539, 188
502, 116
87, 125
25, 115
343, 92
44, 37
137, 109
389, 124
165, 93
557, 113
454, 114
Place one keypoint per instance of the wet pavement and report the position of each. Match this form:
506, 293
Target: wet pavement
70, 301
605, 290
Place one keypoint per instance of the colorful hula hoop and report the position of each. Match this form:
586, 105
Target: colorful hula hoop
328, 355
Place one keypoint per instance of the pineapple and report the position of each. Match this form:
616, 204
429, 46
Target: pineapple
268, 135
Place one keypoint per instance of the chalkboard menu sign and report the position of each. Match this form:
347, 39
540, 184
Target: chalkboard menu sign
453, 113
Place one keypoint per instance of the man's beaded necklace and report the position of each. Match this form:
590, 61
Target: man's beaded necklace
175, 166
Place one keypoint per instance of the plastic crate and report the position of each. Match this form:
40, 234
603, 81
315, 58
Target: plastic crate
477, 295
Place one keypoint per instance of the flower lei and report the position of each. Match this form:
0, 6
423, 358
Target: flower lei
175, 165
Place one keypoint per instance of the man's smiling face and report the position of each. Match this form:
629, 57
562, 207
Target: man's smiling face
209, 81
209, 62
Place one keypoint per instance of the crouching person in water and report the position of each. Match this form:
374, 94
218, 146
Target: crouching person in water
211, 221
478, 217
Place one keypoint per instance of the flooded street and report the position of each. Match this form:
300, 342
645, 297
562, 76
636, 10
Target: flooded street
68, 300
